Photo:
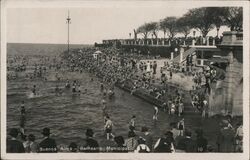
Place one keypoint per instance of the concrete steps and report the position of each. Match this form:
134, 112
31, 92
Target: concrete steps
184, 56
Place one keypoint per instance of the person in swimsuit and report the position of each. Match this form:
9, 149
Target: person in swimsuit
74, 87
155, 116
108, 127
22, 108
34, 90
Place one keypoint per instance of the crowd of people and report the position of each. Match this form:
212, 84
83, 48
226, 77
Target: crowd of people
114, 67
176, 140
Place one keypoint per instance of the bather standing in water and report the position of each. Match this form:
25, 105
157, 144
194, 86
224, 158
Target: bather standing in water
34, 90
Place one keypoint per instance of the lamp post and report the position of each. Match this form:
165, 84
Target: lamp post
152, 40
68, 22
176, 50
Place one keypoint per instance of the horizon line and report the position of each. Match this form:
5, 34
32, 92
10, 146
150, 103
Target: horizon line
46, 43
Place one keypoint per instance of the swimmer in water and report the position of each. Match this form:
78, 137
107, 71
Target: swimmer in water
155, 116
104, 106
104, 92
132, 123
108, 128
102, 87
34, 90
57, 90
86, 90
22, 108
79, 89
74, 87
67, 85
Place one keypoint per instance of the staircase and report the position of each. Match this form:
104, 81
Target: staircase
184, 56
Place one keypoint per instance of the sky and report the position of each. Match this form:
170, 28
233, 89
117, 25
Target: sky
89, 24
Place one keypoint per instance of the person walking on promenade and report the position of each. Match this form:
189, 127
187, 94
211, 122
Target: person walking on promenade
13, 145
108, 127
132, 123
47, 145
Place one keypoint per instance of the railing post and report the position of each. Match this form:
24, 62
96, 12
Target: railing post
172, 55
181, 54
193, 42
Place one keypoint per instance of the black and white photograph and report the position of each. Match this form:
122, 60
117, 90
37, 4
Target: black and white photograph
125, 79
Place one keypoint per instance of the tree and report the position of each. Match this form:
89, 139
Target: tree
201, 19
169, 24
154, 28
184, 25
218, 14
135, 34
144, 29
233, 17
162, 27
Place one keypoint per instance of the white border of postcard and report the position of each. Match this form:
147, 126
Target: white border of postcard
5, 4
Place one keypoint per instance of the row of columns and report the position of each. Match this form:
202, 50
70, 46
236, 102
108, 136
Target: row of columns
145, 42
159, 42
207, 42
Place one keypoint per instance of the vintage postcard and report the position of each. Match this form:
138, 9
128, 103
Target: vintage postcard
124, 79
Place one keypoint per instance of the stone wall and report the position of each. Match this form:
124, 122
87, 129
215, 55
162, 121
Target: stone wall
226, 95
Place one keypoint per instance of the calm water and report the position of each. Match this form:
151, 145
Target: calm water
68, 116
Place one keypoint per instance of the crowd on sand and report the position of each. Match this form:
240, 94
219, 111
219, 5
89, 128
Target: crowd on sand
114, 66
